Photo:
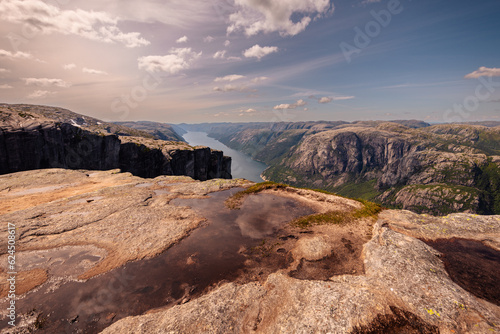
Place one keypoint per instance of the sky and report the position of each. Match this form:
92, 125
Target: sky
199, 61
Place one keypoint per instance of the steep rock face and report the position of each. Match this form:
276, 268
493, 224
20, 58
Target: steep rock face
437, 170
30, 140
53, 146
338, 154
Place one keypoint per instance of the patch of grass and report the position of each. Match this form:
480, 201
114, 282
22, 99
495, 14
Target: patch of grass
235, 201
332, 217
368, 210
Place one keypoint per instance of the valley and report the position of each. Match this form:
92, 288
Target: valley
411, 165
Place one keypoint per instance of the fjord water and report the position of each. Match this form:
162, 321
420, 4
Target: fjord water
242, 165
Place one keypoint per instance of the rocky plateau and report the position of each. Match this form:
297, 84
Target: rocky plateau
104, 251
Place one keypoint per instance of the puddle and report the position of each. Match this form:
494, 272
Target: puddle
472, 265
229, 247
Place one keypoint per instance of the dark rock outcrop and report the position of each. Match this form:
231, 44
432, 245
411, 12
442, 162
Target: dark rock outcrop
32, 140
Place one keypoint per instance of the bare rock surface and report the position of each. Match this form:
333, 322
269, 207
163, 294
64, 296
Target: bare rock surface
402, 273
368, 275
116, 214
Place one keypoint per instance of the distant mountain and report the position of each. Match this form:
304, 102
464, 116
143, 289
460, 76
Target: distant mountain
161, 131
428, 169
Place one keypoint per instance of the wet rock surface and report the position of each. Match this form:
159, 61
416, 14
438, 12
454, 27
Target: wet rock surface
405, 289
98, 247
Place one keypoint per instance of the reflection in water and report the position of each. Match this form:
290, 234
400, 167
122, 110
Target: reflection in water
207, 256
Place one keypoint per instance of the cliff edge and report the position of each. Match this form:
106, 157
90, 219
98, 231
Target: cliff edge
36, 137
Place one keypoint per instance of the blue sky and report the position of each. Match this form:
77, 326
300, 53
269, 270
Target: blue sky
254, 60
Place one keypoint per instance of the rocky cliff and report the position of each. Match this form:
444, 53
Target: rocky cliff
35, 137
404, 164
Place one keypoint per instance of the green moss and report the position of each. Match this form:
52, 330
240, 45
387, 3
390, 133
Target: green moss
332, 217
235, 201
368, 210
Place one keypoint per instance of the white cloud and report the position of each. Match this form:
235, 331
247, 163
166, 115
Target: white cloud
227, 43
234, 88
17, 55
232, 77
40, 94
92, 71
4, 70
259, 79
299, 103
227, 88
342, 98
327, 99
48, 19
285, 106
69, 66
220, 54
484, 72
251, 110
46, 82
178, 60
258, 51
219, 114
208, 39
183, 39
5, 86
254, 16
